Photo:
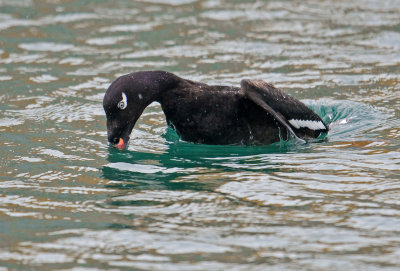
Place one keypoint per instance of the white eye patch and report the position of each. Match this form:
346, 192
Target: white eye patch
124, 102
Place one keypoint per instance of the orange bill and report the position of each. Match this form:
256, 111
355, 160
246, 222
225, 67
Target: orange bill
121, 144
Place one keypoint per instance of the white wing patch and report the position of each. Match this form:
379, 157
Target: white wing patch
124, 102
310, 124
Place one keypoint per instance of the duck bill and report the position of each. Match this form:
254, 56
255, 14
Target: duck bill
121, 144
119, 137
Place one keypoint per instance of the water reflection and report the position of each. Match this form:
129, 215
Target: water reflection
182, 166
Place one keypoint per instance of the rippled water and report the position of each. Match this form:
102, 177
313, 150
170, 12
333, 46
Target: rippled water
68, 202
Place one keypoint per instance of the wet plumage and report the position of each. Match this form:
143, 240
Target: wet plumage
254, 113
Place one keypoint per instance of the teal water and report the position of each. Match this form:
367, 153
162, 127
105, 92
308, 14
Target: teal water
69, 202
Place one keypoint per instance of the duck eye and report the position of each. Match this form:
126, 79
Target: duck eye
123, 103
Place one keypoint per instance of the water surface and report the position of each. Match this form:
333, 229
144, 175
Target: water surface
69, 202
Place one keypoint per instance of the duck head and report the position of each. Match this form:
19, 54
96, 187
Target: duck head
125, 100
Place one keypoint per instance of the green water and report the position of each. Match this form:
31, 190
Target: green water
69, 202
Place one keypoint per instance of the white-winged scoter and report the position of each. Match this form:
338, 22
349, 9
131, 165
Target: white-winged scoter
255, 113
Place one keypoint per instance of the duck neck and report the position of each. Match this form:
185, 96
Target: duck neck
154, 84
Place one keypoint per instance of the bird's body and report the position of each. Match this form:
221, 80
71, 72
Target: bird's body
216, 115
255, 113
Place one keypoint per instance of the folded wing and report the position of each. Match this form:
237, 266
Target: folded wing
295, 116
